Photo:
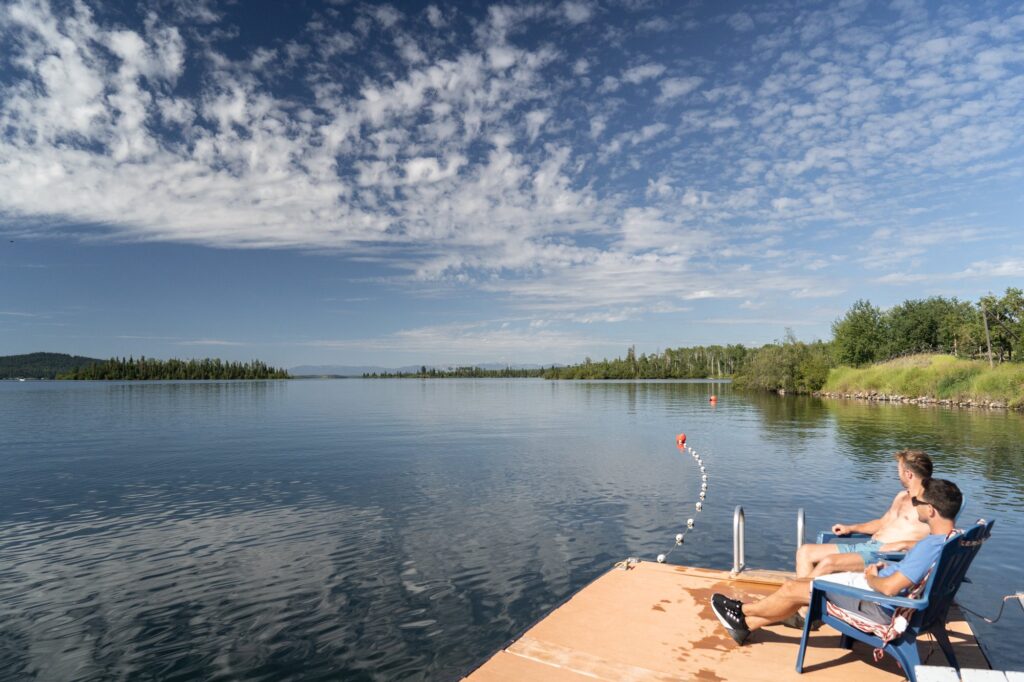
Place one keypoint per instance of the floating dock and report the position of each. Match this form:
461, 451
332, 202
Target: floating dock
654, 622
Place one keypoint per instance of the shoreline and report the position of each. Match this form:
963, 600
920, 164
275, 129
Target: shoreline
892, 398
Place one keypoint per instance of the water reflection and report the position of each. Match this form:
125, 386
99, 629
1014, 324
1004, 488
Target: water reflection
407, 529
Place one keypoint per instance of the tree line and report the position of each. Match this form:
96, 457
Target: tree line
469, 372
148, 369
991, 328
697, 362
932, 325
865, 334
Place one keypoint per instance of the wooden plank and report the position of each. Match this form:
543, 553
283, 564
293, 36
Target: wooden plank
654, 622
936, 673
976, 675
506, 667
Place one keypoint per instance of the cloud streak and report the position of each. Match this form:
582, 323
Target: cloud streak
478, 151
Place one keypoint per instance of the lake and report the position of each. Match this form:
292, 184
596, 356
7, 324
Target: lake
407, 529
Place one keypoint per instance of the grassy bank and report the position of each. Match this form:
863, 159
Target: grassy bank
942, 377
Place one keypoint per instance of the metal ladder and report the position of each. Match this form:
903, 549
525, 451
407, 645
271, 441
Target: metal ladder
739, 523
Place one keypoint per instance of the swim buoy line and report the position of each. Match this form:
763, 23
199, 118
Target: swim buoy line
698, 506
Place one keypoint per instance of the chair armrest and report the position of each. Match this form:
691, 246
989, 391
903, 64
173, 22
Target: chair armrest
827, 536
868, 595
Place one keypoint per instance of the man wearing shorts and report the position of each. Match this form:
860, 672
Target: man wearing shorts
895, 531
937, 506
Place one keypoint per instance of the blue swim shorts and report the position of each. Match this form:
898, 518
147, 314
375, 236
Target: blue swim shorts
867, 550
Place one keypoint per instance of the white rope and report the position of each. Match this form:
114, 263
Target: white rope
1019, 597
631, 562
698, 506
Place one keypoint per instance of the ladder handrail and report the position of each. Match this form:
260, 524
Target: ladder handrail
739, 528
739, 522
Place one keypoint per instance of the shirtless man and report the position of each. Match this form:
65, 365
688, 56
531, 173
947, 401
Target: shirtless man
897, 530
936, 506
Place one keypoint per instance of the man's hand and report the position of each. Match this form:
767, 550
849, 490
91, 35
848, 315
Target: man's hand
890, 585
840, 529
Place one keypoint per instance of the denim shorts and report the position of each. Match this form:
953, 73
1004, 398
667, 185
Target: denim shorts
867, 550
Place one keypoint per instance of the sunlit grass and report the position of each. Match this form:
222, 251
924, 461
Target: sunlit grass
936, 376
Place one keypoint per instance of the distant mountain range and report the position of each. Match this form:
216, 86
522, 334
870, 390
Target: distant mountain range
360, 370
41, 365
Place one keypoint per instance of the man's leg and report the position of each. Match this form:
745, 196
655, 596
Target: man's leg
838, 563
779, 605
808, 556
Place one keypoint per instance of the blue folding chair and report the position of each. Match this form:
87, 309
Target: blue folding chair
930, 608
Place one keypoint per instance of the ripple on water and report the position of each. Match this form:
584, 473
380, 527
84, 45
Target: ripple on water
404, 530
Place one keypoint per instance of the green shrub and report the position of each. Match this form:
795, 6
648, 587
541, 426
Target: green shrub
935, 376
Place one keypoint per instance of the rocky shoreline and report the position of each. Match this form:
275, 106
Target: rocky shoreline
874, 396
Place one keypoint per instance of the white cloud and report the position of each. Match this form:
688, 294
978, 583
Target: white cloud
577, 12
643, 72
483, 157
435, 17
783, 204
535, 120
655, 24
386, 15
430, 170
672, 88
741, 21
901, 278
210, 342
1007, 267
474, 342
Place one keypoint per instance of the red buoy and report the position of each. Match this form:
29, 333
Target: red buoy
681, 440
713, 399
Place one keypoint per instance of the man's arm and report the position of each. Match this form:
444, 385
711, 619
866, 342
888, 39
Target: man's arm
870, 527
890, 585
898, 546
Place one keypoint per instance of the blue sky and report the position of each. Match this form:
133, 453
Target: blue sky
355, 183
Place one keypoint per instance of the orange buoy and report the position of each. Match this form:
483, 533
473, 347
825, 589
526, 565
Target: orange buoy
681, 440
713, 399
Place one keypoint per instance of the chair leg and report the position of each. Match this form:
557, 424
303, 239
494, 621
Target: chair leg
800, 653
905, 652
846, 642
942, 637
813, 612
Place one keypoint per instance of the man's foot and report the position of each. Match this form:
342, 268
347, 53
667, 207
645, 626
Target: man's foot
796, 621
730, 614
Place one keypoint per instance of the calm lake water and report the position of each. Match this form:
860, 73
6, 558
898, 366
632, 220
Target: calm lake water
406, 529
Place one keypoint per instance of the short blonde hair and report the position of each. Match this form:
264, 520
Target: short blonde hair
916, 461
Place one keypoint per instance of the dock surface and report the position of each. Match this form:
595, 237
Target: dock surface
654, 622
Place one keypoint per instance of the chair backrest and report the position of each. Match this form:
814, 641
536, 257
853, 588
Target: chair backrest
949, 571
963, 503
